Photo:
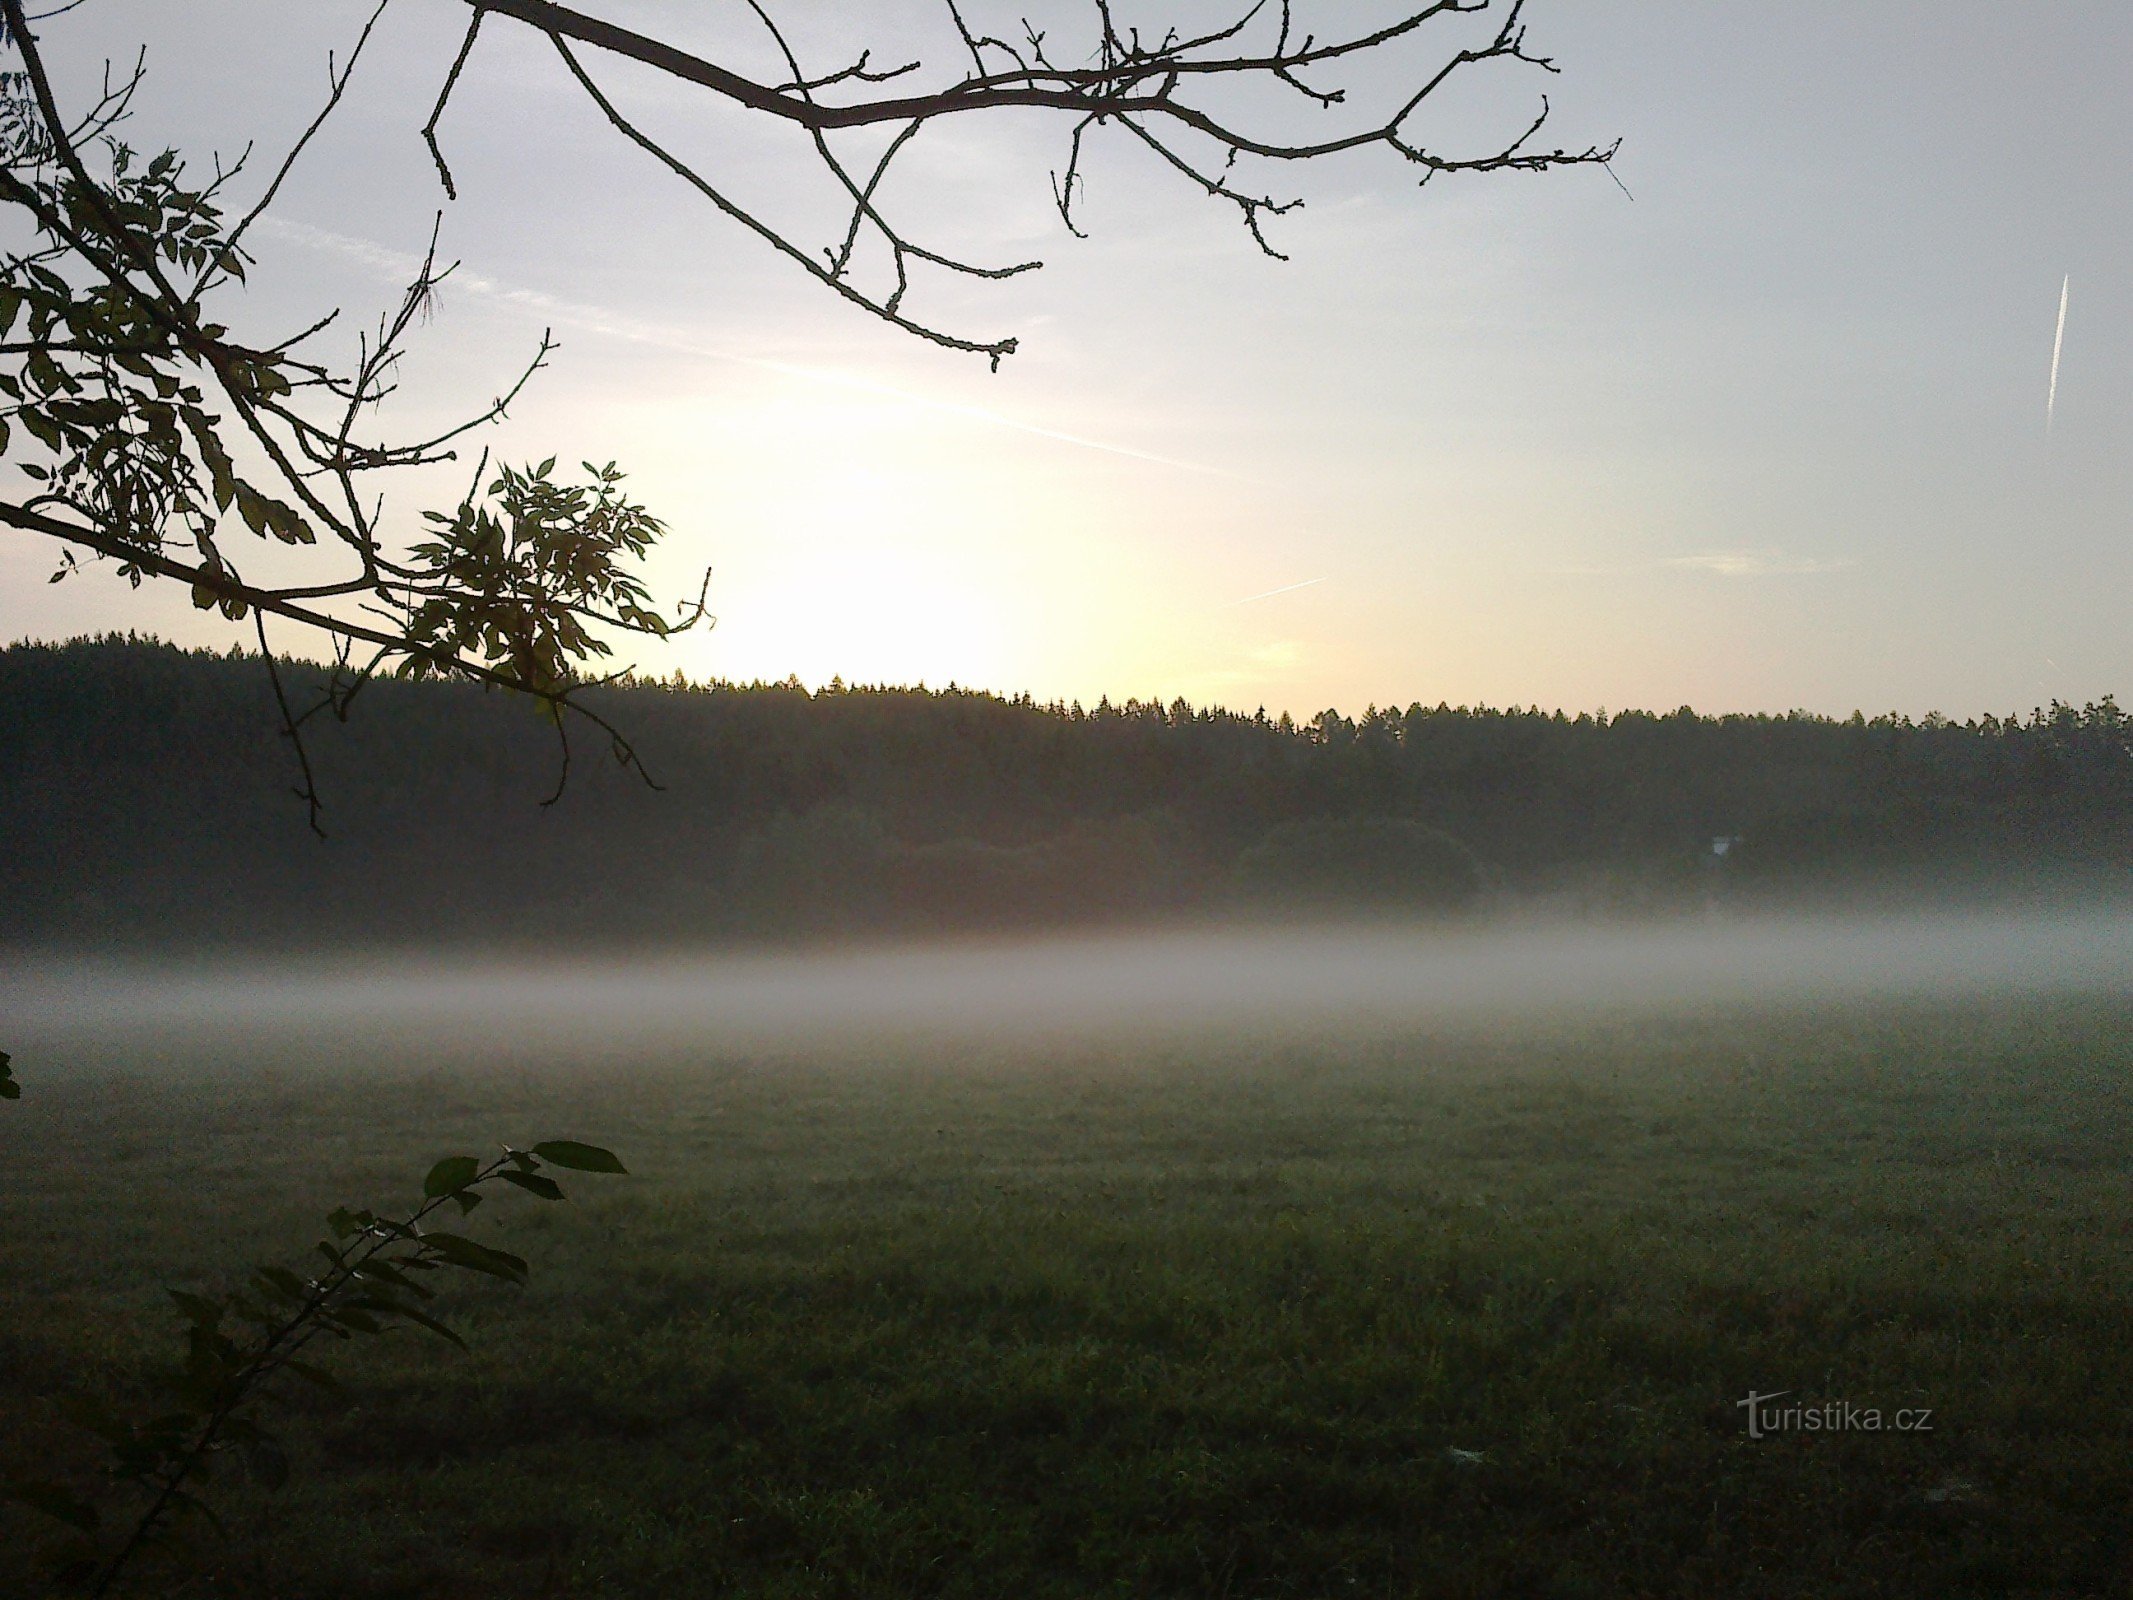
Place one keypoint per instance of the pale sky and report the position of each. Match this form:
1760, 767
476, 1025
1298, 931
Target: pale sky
1771, 435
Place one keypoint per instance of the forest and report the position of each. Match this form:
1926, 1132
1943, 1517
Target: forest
146, 791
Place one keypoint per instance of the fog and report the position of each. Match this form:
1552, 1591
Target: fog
1269, 982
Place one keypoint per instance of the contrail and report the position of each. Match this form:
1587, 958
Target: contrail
2051, 400
1287, 589
399, 265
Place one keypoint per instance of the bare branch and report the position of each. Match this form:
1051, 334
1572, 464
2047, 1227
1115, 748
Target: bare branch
995, 349
1135, 80
451, 79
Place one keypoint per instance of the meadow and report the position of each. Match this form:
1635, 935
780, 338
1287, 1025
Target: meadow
1464, 1309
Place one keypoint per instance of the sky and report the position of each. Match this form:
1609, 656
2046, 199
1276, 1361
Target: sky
1771, 434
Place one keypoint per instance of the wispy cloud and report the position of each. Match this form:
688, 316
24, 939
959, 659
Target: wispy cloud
1756, 563
1718, 563
1291, 588
400, 266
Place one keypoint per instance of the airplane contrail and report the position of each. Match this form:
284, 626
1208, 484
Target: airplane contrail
1286, 589
2051, 400
398, 264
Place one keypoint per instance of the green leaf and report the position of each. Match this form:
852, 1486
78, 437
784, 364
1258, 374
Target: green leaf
318, 1376
534, 1183
221, 473
579, 1157
456, 1251
425, 1320
284, 1283
56, 1503
380, 1271
199, 1310
450, 1175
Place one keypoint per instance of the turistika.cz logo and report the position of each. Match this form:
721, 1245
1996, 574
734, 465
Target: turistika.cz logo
1831, 1416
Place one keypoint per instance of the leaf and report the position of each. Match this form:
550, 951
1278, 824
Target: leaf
450, 1175
220, 472
56, 1503
425, 1320
199, 1310
534, 1183
264, 514
251, 505
285, 1283
457, 1251
44, 372
579, 1157
380, 1271
318, 1376
9, 1088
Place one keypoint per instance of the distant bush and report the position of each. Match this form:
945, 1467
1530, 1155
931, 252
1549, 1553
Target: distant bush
1368, 863
838, 868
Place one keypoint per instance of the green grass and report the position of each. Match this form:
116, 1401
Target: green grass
1205, 1321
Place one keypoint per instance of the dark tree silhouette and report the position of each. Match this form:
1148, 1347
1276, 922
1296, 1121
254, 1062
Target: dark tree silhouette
144, 431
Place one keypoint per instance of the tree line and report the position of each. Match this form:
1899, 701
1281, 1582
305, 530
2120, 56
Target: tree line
145, 798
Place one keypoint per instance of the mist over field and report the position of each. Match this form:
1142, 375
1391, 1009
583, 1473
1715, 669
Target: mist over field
1321, 982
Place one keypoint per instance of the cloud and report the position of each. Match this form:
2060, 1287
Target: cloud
1287, 588
1756, 563
400, 266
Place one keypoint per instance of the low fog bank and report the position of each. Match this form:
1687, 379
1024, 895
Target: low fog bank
1269, 982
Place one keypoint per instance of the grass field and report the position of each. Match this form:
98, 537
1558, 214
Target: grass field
1456, 1314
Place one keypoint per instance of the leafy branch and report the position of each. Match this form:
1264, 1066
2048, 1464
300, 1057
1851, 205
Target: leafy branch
371, 1282
142, 430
